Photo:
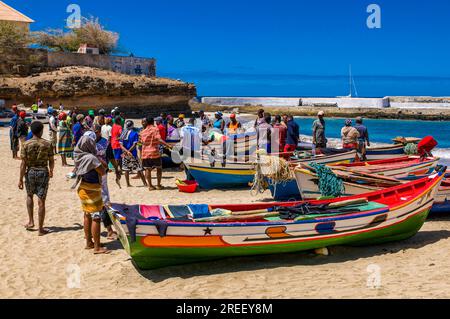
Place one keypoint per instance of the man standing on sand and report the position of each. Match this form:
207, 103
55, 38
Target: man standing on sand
37, 168
293, 135
319, 139
363, 140
151, 156
22, 128
14, 140
53, 128
116, 132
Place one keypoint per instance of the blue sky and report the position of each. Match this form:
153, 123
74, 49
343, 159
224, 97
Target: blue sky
320, 37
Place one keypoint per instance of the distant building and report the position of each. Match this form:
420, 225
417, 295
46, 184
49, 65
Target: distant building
8, 14
87, 49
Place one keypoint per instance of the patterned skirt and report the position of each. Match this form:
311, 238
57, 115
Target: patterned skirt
131, 164
65, 143
91, 197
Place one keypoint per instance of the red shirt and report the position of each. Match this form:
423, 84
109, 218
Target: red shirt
282, 134
115, 135
162, 132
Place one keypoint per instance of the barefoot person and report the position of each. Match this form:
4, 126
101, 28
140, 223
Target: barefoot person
90, 169
151, 155
14, 140
128, 142
105, 156
37, 168
65, 141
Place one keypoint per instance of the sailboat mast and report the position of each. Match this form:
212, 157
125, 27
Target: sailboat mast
351, 82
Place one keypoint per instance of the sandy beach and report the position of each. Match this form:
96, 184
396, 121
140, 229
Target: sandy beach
37, 267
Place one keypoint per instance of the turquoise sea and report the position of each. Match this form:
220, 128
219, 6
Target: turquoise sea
383, 131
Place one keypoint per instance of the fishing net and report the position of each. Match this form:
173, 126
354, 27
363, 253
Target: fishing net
270, 169
329, 184
411, 149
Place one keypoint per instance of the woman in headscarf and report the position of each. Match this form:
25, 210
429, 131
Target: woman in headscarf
65, 141
173, 134
89, 170
349, 135
219, 123
129, 140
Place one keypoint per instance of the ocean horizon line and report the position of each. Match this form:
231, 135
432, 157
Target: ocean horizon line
306, 76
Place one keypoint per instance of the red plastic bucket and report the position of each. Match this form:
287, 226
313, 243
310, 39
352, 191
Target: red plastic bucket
188, 187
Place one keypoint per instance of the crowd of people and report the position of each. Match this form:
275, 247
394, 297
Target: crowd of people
100, 143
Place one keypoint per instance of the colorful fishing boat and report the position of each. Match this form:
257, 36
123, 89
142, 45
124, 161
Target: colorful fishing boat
221, 174
308, 181
159, 236
385, 152
401, 167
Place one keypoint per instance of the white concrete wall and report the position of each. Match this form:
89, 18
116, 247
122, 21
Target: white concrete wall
252, 101
341, 102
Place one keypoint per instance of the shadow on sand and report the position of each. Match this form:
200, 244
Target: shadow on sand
339, 254
75, 227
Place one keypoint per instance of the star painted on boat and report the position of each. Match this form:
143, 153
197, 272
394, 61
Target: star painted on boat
208, 231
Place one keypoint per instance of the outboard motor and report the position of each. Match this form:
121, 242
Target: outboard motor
425, 147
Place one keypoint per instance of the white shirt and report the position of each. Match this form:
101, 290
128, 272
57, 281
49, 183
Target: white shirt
52, 124
191, 138
106, 132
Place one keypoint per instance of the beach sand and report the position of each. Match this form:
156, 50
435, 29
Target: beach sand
39, 267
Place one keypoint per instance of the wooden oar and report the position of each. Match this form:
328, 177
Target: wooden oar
374, 178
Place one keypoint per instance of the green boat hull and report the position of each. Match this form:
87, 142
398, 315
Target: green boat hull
153, 258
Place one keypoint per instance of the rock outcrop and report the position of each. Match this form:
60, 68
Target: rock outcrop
85, 88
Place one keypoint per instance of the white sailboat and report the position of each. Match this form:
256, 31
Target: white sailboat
352, 84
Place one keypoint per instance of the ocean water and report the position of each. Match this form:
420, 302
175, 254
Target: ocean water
383, 131
294, 85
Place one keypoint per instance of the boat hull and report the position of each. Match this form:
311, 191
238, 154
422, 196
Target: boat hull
235, 175
154, 258
380, 153
307, 186
397, 213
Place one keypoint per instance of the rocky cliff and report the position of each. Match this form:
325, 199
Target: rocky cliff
85, 88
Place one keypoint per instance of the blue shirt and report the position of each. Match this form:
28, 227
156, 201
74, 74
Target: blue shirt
92, 177
293, 133
132, 139
29, 136
13, 121
77, 132
363, 132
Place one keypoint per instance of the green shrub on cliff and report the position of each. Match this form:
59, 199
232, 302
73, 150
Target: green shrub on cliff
12, 36
91, 32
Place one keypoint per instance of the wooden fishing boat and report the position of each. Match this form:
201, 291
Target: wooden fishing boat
400, 167
159, 236
385, 152
373, 153
220, 174
308, 181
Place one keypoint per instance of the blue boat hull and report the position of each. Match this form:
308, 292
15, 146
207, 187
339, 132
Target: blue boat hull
210, 180
285, 191
440, 208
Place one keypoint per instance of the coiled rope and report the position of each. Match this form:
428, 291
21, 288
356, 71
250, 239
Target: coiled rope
329, 184
270, 170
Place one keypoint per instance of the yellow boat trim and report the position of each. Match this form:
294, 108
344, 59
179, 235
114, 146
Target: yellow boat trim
223, 171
